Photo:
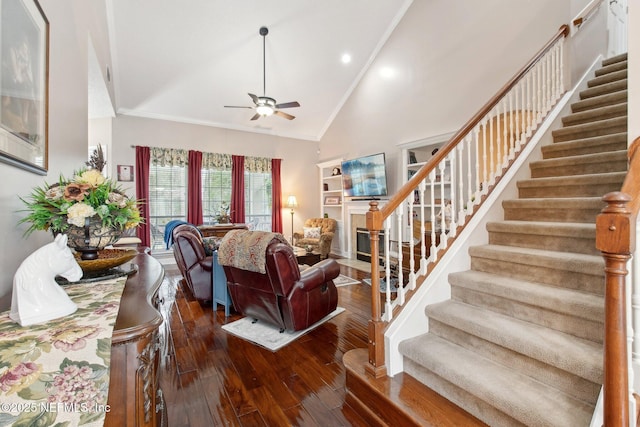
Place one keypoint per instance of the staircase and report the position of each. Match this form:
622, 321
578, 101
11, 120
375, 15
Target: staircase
520, 340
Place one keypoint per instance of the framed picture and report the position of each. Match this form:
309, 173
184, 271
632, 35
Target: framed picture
125, 173
24, 86
331, 200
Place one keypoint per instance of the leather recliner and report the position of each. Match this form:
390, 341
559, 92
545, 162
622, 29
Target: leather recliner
282, 296
193, 263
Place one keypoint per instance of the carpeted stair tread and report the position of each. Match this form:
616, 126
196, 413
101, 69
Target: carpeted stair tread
612, 98
517, 395
604, 89
578, 263
611, 161
571, 186
594, 128
615, 59
569, 270
596, 144
565, 236
599, 113
575, 355
615, 66
571, 209
560, 209
519, 341
608, 78
567, 301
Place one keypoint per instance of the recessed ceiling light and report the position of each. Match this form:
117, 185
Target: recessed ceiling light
346, 58
387, 72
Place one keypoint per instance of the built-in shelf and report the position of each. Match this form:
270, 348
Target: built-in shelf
332, 200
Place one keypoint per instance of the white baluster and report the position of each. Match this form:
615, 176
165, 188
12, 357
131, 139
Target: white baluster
423, 246
433, 253
460, 166
388, 310
401, 289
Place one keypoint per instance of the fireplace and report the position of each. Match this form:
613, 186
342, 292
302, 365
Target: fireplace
363, 244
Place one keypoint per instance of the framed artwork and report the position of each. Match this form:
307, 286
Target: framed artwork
125, 173
332, 200
24, 86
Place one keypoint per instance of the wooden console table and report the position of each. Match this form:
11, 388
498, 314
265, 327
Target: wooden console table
219, 230
135, 398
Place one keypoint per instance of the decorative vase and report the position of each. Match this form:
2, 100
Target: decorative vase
91, 238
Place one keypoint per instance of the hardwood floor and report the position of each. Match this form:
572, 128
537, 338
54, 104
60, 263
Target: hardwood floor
210, 377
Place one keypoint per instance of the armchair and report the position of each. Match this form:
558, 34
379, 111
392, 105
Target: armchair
265, 282
309, 237
193, 263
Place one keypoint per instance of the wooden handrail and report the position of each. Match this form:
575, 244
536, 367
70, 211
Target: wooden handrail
615, 238
586, 13
375, 217
406, 189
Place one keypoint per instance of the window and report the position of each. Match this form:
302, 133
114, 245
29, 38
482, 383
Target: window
257, 200
216, 188
167, 199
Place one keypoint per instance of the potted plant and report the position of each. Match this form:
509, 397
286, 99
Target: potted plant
92, 210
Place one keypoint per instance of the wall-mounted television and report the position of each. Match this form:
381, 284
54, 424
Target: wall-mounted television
365, 176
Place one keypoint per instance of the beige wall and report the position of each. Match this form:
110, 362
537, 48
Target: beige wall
443, 61
299, 175
440, 48
70, 23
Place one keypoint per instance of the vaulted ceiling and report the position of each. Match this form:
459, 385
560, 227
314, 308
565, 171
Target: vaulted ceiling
186, 60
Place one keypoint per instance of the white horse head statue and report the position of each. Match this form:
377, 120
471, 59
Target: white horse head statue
36, 295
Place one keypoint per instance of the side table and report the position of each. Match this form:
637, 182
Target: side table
220, 290
304, 257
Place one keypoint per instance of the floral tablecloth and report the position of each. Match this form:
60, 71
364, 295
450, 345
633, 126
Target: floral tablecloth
58, 371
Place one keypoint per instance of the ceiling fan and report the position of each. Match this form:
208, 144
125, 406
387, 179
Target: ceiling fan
264, 105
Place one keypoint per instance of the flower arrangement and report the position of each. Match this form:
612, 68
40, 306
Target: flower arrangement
70, 202
224, 213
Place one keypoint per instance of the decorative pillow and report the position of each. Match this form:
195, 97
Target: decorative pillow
312, 232
211, 244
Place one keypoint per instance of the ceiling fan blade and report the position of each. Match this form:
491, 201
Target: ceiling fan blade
238, 106
255, 98
285, 115
255, 116
288, 105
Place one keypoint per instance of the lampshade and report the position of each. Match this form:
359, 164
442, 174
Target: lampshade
264, 110
292, 202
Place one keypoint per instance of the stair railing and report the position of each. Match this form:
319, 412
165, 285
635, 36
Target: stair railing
615, 238
470, 163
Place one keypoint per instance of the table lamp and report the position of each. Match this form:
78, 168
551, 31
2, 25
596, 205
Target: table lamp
292, 202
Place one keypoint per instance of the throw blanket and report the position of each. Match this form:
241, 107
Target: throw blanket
246, 249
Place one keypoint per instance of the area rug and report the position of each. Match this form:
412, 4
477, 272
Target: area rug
269, 336
383, 284
343, 280
355, 264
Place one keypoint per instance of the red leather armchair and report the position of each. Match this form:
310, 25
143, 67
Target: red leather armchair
282, 295
192, 261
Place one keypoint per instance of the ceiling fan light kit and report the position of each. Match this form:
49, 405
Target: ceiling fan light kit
264, 105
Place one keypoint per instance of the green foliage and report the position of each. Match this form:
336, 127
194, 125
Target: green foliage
56, 207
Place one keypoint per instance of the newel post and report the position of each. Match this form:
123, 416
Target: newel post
615, 238
376, 366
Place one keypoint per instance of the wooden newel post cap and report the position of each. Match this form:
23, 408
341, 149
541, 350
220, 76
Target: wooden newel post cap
614, 225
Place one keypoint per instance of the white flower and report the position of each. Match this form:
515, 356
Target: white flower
118, 199
92, 177
77, 214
